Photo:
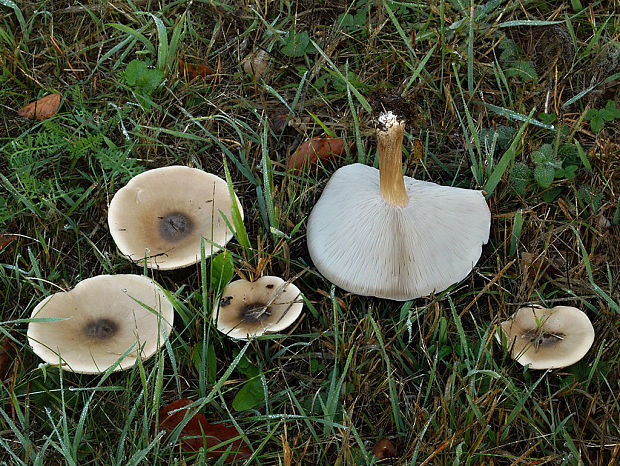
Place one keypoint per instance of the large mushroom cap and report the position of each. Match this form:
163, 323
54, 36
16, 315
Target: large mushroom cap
163, 214
371, 247
104, 316
250, 309
548, 338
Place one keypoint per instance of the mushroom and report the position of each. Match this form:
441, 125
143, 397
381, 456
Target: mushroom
548, 338
379, 233
99, 320
250, 309
163, 213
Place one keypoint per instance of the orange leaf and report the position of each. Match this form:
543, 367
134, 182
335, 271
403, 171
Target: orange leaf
198, 432
42, 108
6, 239
319, 148
192, 71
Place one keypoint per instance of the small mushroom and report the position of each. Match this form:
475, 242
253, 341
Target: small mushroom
99, 320
250, 309
379, 233
548, 338
256, 63
163, 213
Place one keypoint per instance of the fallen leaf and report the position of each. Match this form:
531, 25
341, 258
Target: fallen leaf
6, 355
191, 437
318, 148
6, 239
418, 150
193, 71
42, 108
384, 449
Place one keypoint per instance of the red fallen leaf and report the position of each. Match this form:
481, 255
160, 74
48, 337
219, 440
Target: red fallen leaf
384, 449
6, 355
192, 434
6, 239
319, 148
193, 71
42, 108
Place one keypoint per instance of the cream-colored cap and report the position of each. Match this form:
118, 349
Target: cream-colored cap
104, 316
163, 214
250, 309
548, 338
370, 247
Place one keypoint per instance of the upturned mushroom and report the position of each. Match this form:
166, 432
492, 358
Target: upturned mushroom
162, 214
547, 338
250, 309
379, 233
98, 321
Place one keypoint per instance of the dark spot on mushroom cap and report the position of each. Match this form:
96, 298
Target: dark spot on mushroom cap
225, 301
175, 226
541, 339
269, 286
255, 312
100, 329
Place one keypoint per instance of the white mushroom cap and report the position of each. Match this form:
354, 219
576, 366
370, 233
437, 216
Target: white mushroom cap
104, 317
163, 213
371, 247
548, 338
250, 309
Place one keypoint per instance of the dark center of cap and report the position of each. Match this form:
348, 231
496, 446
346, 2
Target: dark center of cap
175, 226
255, 313
541, 339
100, 329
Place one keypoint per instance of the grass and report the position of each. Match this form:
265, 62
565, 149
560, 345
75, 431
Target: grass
427, 374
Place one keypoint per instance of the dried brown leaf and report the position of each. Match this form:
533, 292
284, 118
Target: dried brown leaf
42, 108
193, 71
315, 149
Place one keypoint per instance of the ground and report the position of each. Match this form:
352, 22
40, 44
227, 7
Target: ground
518, 98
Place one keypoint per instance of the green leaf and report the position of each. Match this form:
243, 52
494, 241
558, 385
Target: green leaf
222, 270
539, 157
507, 158
250, 395
570, 171
547, 118
211, 364
607, 115
133, 71
597, 123
522, 69
592, 113
297, 45
544, 174
142, 79
149, 81
611, 107
237, 216
551, 194
520, 177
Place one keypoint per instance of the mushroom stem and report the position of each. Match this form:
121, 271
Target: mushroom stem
390, 135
